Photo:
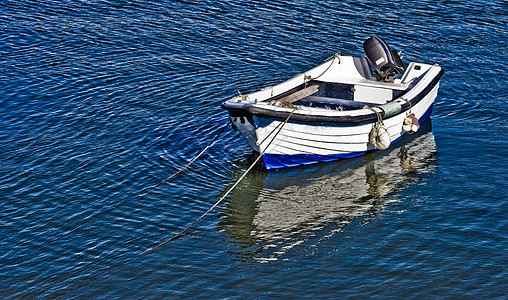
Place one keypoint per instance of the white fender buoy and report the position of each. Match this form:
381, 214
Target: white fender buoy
379, 137
406, 125
410, 124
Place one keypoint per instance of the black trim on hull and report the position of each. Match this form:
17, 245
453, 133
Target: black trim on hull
247, 110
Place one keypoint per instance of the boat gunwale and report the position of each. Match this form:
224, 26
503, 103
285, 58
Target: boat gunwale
238, 109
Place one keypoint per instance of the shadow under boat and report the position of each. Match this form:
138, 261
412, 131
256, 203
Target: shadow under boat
269, 213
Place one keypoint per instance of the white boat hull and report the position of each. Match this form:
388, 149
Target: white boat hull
337, 122
300, 144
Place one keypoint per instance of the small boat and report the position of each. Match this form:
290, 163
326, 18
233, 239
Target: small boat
345, 107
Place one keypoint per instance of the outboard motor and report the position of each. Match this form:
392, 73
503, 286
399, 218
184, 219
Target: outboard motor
385, 61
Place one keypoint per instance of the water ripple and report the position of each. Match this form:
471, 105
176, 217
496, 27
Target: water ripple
101, 99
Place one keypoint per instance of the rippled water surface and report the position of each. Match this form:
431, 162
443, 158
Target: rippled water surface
101, 99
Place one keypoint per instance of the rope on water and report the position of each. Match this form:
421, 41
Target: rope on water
278, 128
145, 191
187, 165
227, 193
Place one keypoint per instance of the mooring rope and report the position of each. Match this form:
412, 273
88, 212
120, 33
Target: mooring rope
378, 115
408, 102
227, 193
307, 78
146, 190
174, 237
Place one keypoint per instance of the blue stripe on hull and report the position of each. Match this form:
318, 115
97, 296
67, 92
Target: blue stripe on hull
283, 161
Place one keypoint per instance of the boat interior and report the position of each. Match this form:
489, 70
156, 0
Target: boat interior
342, 96
383, 77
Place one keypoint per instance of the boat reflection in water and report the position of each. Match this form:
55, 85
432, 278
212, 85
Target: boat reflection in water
270, 213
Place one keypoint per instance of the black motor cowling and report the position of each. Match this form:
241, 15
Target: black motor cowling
385, 61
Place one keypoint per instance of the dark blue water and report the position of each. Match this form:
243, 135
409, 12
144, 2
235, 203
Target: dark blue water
101, 99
